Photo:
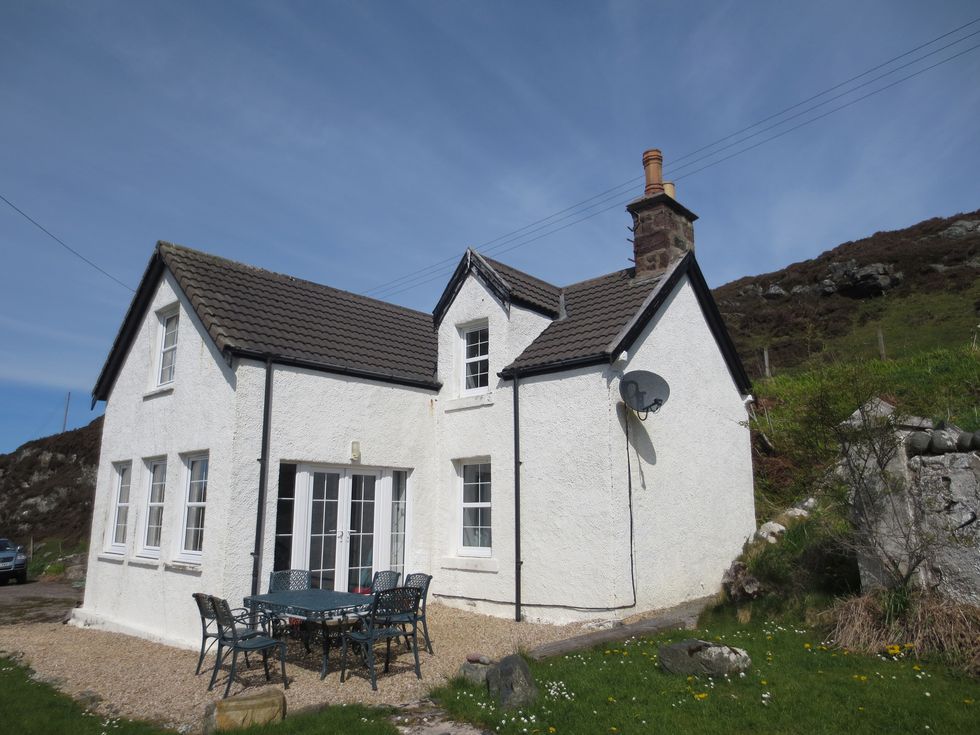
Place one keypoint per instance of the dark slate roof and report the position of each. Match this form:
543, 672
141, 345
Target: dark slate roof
596, 311
254, 312
605, 315
527, 289
506, 283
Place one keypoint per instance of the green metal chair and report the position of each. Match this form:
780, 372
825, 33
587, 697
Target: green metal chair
231, 641
209, 625
376, 626
421, 581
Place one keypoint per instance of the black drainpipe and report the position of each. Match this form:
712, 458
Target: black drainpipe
263, 474
517, 501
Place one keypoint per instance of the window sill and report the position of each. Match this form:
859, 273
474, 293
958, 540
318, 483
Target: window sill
145, 561
466, 402
184, 567
470, 563
111, 556
163, 390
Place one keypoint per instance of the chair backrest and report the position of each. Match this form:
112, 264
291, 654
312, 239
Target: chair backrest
420, 581
225, 618
384, 581
396, 601
290, 579
204, 608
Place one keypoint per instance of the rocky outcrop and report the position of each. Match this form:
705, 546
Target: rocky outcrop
859, 282
962, 228
47, 486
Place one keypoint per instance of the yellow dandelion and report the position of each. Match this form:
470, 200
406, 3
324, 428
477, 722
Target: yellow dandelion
701, 696
613, 729
893, 650
807, 646
611, 700
552, 729
967, 701
763, 682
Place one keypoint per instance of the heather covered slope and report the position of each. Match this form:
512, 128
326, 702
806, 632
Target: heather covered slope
47, 487
918, 285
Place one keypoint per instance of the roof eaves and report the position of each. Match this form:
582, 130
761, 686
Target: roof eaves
128, 329
650, 306
554, 366
471, 261
323, 367
687, 265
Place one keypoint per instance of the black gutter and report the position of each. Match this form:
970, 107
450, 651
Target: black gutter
338, 369
556, 366
263, 475
517, 501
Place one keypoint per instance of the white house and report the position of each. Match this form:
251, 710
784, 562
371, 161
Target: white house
256, 421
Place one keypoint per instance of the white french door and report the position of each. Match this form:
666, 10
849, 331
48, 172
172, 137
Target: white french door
344, 519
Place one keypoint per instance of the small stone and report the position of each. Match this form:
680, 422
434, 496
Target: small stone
770, 531
473, 672
474, 658
511, 684
485, 660
245, 710
917, 443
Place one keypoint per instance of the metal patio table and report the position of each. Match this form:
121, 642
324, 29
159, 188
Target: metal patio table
314, 605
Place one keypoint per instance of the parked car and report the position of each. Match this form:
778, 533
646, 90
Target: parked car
13, 562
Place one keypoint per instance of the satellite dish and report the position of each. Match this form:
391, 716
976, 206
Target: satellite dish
643, 391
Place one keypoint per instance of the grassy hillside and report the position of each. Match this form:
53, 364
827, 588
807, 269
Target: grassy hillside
794, 443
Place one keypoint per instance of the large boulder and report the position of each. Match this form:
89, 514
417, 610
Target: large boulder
245, 710
703, 658
511, 684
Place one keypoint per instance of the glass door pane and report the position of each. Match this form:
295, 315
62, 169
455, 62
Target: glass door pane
361, 554
323, 529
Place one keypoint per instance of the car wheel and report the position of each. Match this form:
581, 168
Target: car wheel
22, 578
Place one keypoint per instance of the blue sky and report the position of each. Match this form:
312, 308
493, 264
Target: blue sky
355, 142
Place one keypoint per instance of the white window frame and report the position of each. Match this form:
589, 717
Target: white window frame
462, 505
120, 471
164, 316
464, 361
145, 548
192, 556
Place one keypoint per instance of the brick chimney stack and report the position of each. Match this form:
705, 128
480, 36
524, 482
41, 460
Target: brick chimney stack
663, 229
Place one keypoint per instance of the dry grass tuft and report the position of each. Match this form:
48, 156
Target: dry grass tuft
933, 626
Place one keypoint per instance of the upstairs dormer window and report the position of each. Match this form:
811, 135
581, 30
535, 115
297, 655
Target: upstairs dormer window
476, 359
168, 346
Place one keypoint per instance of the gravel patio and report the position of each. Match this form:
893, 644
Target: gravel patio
137, 679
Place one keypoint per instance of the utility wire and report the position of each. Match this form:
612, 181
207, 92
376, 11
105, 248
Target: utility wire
388, 287
443, 273
61, 242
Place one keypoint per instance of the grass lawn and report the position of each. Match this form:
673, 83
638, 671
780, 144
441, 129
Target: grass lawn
31, 708
796, 685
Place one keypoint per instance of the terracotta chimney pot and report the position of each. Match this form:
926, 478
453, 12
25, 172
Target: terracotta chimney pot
653, 161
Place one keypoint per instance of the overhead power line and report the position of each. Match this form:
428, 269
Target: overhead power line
421, 280
496, 245
61, 242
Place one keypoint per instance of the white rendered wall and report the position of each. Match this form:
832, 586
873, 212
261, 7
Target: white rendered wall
691, 471
147, 596
691, 461
474, 427
315, 418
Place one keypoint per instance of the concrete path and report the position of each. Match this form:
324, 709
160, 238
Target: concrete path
672, 618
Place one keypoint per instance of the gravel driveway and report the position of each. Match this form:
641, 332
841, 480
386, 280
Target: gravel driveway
142, 680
